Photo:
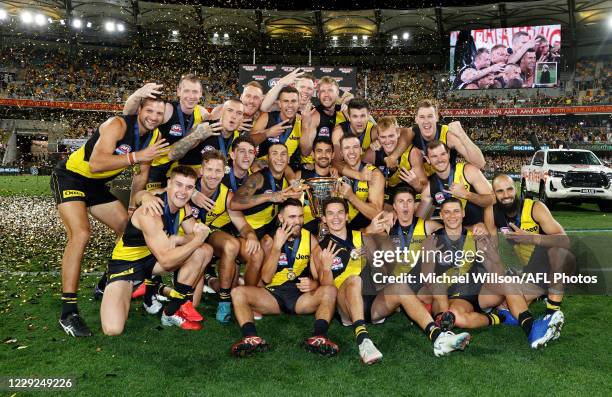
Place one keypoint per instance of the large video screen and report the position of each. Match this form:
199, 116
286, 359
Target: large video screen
518, 57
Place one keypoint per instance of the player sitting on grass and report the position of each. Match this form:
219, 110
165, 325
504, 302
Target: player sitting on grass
293, 261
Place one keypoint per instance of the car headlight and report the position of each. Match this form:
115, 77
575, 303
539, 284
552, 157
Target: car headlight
609, 176
557, 174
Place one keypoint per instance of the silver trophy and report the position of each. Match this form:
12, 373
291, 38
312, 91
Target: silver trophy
319, 190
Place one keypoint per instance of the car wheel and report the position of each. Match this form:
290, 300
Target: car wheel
544, 198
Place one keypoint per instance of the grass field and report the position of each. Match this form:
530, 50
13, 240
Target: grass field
151, 360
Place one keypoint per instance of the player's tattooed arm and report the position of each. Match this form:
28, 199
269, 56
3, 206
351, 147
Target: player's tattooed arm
245, 196
200, 133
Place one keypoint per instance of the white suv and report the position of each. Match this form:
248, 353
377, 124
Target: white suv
571, 175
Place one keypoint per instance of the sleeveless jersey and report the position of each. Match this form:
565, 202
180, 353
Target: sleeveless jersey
365, 138
132, 245
473, 213
326, 126
177, 127
132, 141
218, 217
290, 137
232, 181
411, 237
524, 221
262, 214
300, 266
453, 266
343, 266
421, 143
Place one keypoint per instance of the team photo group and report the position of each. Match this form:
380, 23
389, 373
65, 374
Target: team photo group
276, 201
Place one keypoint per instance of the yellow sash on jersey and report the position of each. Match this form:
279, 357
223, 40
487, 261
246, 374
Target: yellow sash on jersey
77, 163
429, 170
468, 246
418, 236
354, 266
362, 193
524, 251
134, 253
218, 216
394, 179
302, 260
292, 142
266, 215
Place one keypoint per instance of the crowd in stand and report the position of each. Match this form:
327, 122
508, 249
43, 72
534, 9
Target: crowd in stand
110, 77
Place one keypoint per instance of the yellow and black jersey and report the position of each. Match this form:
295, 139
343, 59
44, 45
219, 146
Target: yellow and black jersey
294, 261
393, 179
218, 142
349, 261
365, 137
362, 190
524, 221
421, 143
132, 245
262, 214
133, 140
410, 237
177, 127
291, 139
218, 217
232, 181
458, 255
326, 126
473, 213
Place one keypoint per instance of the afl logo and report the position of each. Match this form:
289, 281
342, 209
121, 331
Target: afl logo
176, 130
337, 263
282, 260
324, 131
207, 148
439, 197
123, 149
273, 82
195, 212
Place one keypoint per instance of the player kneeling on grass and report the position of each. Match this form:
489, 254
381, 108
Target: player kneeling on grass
151, 244
467, 302
353, 280
293, 261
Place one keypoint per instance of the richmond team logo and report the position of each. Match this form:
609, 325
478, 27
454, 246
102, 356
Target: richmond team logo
337, 263
324, 131
123, 149
176, 130
439, 197
273, 82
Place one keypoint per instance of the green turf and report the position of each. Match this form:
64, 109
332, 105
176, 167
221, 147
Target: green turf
150, 360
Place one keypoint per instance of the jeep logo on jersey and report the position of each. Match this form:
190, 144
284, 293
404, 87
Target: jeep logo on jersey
324, 131
207, 148
176, 130
439, 197
123, 149
273, 82
337, 263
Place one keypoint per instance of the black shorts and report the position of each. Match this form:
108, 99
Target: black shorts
269, 229
286, 295
68, 186
538, 263
136, 271
473, 299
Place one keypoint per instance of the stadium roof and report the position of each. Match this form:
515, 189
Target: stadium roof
426, 23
